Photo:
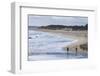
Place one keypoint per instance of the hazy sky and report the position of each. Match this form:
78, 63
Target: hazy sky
56, 20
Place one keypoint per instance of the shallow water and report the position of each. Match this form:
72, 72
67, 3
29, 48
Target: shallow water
46, 46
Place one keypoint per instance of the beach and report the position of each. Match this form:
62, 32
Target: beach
80, 37
56, 44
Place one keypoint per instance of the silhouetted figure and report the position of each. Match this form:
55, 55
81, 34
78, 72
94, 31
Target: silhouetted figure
76, 50
67, 50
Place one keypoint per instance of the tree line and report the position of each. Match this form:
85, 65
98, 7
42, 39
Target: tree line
56, 27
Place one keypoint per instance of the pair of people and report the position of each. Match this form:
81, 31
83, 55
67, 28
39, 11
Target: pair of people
75, 50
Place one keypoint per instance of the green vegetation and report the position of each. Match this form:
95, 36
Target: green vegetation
73, 28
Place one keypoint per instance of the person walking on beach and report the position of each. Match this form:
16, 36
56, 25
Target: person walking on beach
67, 50
76, 50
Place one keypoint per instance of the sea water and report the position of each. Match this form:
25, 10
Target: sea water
47, 46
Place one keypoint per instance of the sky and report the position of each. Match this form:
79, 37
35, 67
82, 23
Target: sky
37, 20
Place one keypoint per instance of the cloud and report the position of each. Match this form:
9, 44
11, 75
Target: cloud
60, 20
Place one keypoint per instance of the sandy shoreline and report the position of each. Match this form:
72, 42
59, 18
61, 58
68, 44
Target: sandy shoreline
80, 36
